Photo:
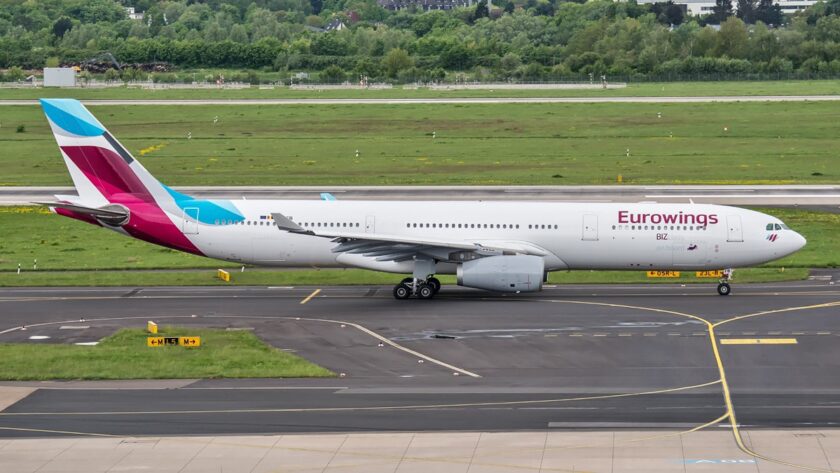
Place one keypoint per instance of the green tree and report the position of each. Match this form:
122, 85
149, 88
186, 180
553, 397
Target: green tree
732, 38
746, 10
111, 75
15, 74
61, 26
721, 11
333, 75
769, 12
395, 61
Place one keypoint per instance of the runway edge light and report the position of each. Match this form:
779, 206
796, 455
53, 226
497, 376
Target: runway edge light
151, 327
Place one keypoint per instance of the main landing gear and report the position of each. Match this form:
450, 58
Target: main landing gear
423, 289
723, 287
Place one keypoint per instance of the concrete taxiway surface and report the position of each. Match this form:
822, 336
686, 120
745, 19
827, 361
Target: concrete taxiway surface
576, 378
803, 195
473, 452
571, 357
455, 100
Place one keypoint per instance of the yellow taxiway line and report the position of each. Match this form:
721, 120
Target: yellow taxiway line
310, 296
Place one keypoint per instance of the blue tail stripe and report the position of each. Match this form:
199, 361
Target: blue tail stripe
71, 116
209, 211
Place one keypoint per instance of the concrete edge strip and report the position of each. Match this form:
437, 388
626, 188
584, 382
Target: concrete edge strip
10, 395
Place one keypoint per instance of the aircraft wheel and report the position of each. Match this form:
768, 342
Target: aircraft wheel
724, 289
425, 291
407, 281
401, 291
435, 283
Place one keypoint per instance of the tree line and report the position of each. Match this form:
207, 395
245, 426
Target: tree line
524, 40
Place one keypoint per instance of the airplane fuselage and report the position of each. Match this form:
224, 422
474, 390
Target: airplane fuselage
574, 235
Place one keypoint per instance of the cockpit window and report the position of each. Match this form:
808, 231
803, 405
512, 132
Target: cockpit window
785, 227
778, 227
769, 226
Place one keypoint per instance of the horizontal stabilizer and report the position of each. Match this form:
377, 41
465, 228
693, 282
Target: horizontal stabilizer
115, 215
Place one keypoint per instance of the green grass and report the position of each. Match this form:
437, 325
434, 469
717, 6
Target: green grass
72, 253
559, 144
337, 277
124, 355
654, 89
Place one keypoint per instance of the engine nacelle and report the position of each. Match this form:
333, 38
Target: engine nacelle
515, 273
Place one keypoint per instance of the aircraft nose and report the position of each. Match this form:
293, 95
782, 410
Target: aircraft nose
800, 241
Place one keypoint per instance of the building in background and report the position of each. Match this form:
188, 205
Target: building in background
705, 7
133, 15
59, 77
426, 5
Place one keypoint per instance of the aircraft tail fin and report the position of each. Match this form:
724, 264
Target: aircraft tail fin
101, 167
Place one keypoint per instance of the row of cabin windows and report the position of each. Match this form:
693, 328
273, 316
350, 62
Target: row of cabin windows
329, 224
504, 226
243, 222
658, 227
307, 224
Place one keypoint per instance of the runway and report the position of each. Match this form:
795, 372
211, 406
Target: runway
786, 195
455, 100
569, 358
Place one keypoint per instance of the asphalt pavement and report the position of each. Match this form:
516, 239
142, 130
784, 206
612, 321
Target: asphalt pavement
571, 357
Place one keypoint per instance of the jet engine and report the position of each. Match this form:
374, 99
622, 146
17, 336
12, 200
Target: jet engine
514, 273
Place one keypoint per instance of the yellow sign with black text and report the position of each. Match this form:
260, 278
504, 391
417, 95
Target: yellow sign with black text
663, 274
173, 341
189, 341
718, 274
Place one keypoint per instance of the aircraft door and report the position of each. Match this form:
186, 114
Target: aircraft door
734, 232
590, 228
190, 221
370, 224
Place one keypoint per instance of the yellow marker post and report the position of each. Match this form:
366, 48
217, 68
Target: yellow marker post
758, 341
151, 327
189, 341
716, 274
663, 274
223, 275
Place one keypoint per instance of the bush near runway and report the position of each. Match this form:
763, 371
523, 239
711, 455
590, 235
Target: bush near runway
71, 253
470, 144
647, 89
124, 355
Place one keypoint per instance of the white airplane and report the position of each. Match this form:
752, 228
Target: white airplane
496, 246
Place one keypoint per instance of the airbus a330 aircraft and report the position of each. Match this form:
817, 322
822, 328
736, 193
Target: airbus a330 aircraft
497, 246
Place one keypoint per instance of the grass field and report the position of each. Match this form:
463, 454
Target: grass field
124, 355
72, 253
653, 89
731, 143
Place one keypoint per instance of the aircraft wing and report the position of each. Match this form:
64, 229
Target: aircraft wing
385, 247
